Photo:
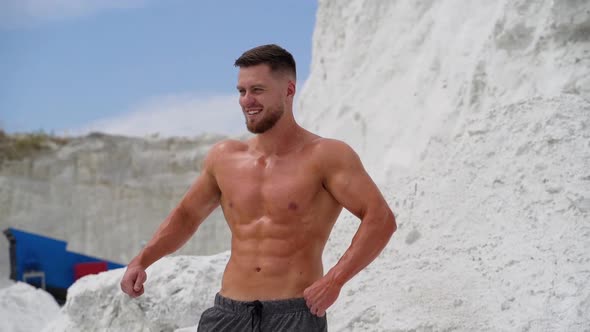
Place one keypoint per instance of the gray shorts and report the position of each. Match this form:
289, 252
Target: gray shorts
228, 315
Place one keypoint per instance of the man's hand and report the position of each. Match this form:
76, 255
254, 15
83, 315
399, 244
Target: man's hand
321, 295
132, 282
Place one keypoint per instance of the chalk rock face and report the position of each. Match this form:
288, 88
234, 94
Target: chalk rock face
389, 76
24, 308
493, 230
473, 118
106, 195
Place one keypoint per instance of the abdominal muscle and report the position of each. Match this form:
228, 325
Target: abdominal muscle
273, 260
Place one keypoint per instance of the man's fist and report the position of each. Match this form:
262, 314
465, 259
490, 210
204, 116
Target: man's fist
321, 295
132, 282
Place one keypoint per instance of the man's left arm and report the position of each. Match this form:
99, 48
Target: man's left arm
348, 182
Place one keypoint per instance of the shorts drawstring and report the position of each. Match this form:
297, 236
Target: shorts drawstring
256, 313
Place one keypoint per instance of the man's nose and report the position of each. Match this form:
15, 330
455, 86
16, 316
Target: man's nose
248, 99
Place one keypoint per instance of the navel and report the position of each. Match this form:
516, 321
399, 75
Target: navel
293, 206
258, 269
262, 161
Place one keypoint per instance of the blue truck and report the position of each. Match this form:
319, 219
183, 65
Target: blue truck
45, 262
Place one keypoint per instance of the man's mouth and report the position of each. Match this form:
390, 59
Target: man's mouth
253, 111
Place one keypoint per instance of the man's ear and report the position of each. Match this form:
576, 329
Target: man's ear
291, 88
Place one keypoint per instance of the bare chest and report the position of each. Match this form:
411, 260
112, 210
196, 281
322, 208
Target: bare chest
253, 188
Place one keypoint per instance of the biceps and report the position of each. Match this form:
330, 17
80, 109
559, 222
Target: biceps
201, 198
355, 191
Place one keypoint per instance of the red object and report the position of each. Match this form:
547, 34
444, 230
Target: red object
84, 269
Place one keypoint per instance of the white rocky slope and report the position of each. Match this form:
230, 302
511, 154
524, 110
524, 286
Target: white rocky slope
387, 76
24, 308
494, 237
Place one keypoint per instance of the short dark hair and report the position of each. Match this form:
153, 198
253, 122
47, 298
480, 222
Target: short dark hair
279, 59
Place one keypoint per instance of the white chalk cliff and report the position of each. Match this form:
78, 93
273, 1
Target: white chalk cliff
474, 119
391, 76
105, 195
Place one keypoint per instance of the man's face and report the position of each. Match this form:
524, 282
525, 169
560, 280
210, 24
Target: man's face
262, 97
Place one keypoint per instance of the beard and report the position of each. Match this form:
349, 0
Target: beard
272, 116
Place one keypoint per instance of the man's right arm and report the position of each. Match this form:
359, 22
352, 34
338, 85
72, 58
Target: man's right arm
200, 200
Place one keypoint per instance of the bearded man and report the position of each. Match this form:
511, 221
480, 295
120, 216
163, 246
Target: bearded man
281, 192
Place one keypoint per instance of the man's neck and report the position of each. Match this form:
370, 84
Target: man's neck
282, 138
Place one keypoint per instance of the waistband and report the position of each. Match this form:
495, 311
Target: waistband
267, 307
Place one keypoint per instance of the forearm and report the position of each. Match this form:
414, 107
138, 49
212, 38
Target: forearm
172, 234
370, 239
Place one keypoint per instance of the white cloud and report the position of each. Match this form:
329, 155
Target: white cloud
14, 13
175, 115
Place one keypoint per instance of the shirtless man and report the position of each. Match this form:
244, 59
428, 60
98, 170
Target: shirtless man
281, 193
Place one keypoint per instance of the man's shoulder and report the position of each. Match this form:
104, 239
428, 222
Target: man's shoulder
331, 152
330, 147
228, 146
222, 149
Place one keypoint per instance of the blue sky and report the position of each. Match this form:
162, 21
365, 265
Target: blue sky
137, 66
